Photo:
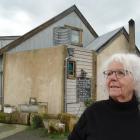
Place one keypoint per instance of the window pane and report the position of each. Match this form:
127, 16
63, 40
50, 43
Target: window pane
75, 37
71, 69
70, 66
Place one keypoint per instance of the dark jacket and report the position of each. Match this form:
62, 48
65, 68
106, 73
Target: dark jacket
109, 120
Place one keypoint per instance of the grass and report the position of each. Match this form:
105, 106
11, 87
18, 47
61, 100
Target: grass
57, 136
42, 132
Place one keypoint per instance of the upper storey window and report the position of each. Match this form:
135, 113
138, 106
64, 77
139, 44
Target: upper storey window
76, 35
68, 35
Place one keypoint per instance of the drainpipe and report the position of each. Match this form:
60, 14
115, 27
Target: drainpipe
1, 81
132, 36
65, 85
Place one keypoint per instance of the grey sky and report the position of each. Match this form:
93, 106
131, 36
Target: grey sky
20, 16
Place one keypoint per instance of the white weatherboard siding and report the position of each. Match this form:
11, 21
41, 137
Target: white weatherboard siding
84, 60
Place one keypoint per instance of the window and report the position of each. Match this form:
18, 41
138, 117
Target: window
61, 35
76, 35
71, 67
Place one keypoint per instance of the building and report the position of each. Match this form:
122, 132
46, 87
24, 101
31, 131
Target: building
58, 63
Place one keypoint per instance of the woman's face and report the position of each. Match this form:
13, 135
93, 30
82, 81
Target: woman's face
120, 82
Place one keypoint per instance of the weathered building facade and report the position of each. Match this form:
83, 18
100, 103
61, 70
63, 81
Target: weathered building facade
58, 63
49, 77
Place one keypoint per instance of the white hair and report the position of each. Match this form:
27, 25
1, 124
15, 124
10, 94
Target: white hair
131, 62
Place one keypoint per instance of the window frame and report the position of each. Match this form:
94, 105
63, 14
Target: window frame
80, 35
71, 76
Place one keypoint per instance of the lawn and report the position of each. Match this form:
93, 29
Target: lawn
41, 132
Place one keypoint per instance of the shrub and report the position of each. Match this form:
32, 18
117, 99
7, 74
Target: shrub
37, 121
5, 117
55, 126
2, 117
43, 115
66, 119
88, 102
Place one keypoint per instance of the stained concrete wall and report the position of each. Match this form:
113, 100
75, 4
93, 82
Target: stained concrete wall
37, 73
119, 45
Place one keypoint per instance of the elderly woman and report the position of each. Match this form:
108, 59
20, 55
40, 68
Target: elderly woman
117, 118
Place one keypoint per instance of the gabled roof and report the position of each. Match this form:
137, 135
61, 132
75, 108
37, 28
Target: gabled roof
47, 24
99, 43
8, 37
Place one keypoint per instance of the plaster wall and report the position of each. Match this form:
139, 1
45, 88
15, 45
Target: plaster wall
36, 73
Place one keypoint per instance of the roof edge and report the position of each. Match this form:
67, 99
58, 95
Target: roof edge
85, 21
47, 24
122, 30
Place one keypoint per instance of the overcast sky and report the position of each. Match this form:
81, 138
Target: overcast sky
20, 16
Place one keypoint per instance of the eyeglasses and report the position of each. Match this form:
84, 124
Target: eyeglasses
118, 73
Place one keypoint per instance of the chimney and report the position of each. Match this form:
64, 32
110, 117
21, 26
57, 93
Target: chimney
132, 36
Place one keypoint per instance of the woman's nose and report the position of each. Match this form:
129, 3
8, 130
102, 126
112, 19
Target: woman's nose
113, 76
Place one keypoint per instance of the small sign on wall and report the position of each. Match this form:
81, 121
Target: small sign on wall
83, 88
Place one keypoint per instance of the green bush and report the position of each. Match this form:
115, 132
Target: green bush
5, 117
37, 121
2, 117
65, 118
88, 102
